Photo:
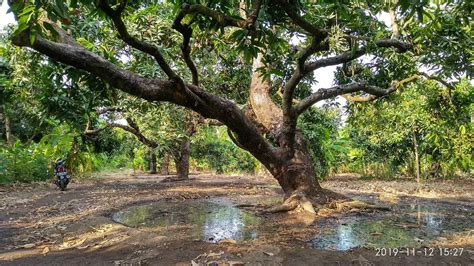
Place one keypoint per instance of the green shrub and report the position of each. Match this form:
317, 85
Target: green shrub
22, 163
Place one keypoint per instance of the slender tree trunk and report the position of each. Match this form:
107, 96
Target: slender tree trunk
152, 161
415, 151
165, 165
8, 130
182, 160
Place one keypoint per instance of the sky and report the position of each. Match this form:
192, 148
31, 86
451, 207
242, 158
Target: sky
5, 18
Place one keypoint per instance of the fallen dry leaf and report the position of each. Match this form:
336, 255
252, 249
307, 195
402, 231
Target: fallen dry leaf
31, 245
45, 251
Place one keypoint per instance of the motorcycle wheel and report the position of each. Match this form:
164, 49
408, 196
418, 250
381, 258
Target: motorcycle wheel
62, 184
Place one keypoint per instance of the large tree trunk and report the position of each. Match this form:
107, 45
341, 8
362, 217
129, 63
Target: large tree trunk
182, 160
298, 180
152, 161
295, 173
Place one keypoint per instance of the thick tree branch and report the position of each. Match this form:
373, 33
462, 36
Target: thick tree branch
374, 91
298, 74
75, 55
115, 16
332, 92
289, 116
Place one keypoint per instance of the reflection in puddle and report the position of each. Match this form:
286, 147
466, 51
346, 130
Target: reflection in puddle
210, 221
408, 225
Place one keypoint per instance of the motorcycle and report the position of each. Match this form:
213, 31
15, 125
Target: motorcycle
62, 178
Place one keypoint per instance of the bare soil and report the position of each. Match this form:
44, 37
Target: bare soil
40, 225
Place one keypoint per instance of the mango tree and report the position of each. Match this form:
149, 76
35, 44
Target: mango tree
285, 41
166, 130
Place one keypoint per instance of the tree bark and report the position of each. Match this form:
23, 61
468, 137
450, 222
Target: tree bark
152, 162
294, 170
182, 160
165, 163
415, 151
8, 129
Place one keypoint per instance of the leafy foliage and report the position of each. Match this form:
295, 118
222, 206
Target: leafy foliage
440, 119
50, 103
212, 149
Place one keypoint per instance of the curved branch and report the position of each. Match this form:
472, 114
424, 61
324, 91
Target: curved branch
79, 57
351, 55
132, 128
148, 142
301, 22
298, 74
88, 131
376, 92
222, 19
446, 84
145, 47
187, 32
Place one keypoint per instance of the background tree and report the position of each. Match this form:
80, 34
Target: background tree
423, 122
165, 130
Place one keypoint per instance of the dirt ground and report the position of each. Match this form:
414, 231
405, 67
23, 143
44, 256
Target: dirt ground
40, 225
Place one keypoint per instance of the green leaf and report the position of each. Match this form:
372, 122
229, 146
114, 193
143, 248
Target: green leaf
32, 36
73, 4
21, 28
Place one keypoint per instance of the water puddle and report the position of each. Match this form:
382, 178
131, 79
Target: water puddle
209, 221
410, 224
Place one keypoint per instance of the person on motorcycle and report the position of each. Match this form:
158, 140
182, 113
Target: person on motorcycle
61, 174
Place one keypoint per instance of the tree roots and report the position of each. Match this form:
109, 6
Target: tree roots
327, 203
